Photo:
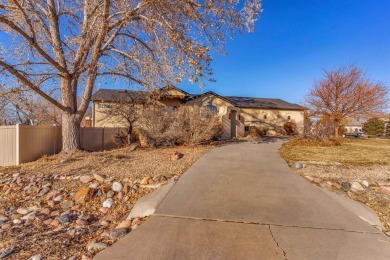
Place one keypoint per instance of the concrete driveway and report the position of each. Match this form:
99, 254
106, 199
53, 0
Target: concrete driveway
241, 201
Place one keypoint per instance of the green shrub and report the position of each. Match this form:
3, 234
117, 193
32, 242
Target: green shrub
374, 126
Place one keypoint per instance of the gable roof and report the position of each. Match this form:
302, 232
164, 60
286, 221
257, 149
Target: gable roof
210, 93
119, 95
267, 103
132, 95
252, 102
243, 102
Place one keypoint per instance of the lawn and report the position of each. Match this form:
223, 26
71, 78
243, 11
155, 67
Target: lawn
354, 152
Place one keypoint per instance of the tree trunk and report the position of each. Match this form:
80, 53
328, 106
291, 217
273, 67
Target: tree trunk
70, 132
336, 128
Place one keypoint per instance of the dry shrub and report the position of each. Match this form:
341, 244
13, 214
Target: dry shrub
121, 138
290, 128
186, 125
254, 133
323, 130
317, 142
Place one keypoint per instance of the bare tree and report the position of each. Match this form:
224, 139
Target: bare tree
67, 46
346, 92
27, 108
126, 108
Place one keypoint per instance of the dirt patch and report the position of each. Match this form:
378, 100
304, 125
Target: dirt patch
60, 205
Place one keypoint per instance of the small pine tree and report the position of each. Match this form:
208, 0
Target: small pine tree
374, 126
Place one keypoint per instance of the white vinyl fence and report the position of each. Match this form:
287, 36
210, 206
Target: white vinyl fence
22, 143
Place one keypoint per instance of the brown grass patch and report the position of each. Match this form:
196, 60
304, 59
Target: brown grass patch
354, 152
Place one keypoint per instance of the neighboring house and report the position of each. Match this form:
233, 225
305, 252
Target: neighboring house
238, 114
355, 125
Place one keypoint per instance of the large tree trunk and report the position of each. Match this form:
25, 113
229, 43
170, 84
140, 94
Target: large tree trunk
336, 128
70, 132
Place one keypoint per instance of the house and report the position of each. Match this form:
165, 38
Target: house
238, 114
354, 125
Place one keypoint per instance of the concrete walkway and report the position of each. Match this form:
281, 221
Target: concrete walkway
242, 201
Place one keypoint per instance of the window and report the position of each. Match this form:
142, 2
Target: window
104, 105
211, 107
265, 116
246, 128
288, 117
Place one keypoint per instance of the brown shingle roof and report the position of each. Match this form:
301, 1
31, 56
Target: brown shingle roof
119, 95
267, 103
248, 102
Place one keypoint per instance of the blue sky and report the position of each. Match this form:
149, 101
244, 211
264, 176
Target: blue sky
296, 40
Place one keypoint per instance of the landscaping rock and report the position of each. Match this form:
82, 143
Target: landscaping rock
117, 233
22, 211
67, 204
298, 165
124, 224
346, 185
36, 257
94, 185
64, 218
117, 186
318, 180
145, 180
151, 186
86, 178
365, 183
357, 187
83, 195
96, 247
310, 178
110, 194
108, 203
176, 156
385, 190
5, 226
99, 177
44, 191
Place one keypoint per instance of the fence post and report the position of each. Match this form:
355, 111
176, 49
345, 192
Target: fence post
17, 158
55, 140
103, 139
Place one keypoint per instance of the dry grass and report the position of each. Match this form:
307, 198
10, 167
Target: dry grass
355, 152
114, 164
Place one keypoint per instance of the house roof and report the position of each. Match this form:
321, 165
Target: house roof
253, 102
268, 103
244, 102
119, 95
131, 95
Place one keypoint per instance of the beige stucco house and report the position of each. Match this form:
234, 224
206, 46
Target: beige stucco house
238, 114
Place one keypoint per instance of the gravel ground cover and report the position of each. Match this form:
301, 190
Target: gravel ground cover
73, 206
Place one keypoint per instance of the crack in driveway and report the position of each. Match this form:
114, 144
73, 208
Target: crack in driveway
277, 244
264, 224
